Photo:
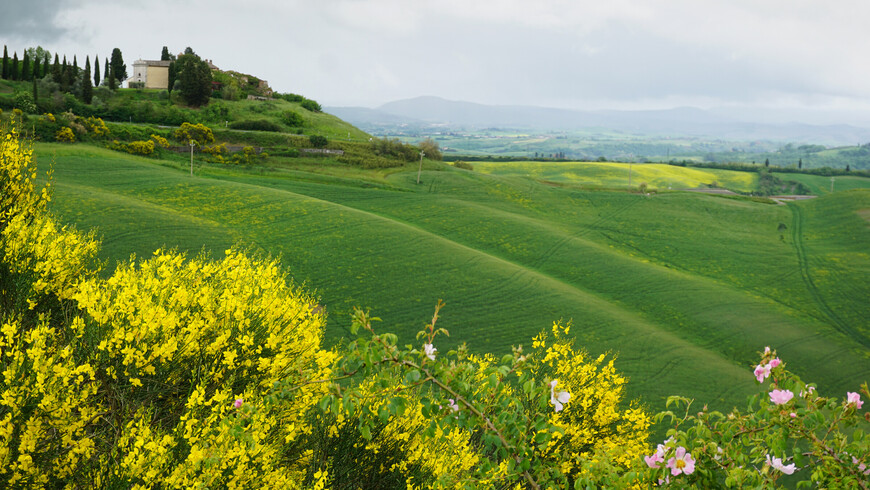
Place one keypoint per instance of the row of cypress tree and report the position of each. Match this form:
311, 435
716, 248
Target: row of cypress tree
36, 64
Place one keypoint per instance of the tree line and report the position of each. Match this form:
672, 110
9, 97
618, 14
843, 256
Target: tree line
188, 73
36, 65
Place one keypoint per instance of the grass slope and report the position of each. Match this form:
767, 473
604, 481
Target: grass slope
686, 288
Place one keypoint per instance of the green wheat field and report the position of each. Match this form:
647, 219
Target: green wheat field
685, 288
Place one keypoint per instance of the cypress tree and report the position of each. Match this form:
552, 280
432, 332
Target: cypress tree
119, 69
14, 70
75, 66
64, 75
45, 63
106, 69
113, 82
36, 69
172, 76
97, 78
25, 67
56, 70
164, 56
87, 88
5, 63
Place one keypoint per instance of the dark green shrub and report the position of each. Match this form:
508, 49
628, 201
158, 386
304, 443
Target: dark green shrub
430, 148
394, 148
292, 119
291, 97
463, 165
311, 105
45, 129
318, 141
24, 101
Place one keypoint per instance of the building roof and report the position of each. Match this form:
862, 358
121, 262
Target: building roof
153, 62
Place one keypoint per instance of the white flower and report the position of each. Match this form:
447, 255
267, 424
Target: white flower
777, 463
429, 350
558, 398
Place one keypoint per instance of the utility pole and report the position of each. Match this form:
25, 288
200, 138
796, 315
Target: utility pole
191, 158
419, 170
629, 175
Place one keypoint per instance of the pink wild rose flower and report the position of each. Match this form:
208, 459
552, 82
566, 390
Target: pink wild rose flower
656, 459
238, 403
778, 397
762, 372
682, 462
854, 398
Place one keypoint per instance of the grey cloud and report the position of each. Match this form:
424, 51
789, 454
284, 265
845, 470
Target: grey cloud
33, 20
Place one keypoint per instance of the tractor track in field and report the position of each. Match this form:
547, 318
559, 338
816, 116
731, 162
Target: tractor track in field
803, 261
584, 230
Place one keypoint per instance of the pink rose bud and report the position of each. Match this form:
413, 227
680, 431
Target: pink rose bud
238, 402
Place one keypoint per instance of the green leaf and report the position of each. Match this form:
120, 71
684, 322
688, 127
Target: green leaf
397, 405
384, 414
324, 403
412, 376
366, 432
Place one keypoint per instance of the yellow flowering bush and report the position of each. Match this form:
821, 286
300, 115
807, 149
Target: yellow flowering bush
97, 126
216, 152
199, 133
383, 435
65, 135
145, 148
54, 258
190, 372
507, 415
160, 141
17, 173
594, 419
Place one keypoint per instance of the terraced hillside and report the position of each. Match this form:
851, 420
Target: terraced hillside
685, 287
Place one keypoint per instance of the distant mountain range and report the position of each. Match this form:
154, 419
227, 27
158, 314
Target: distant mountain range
430, 111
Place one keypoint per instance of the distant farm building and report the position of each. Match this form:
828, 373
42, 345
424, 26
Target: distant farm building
151, 73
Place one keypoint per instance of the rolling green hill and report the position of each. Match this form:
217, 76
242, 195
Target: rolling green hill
687, 288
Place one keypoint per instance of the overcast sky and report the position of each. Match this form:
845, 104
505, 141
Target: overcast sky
622, 54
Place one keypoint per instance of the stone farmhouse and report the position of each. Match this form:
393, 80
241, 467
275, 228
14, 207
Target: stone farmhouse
153, 73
